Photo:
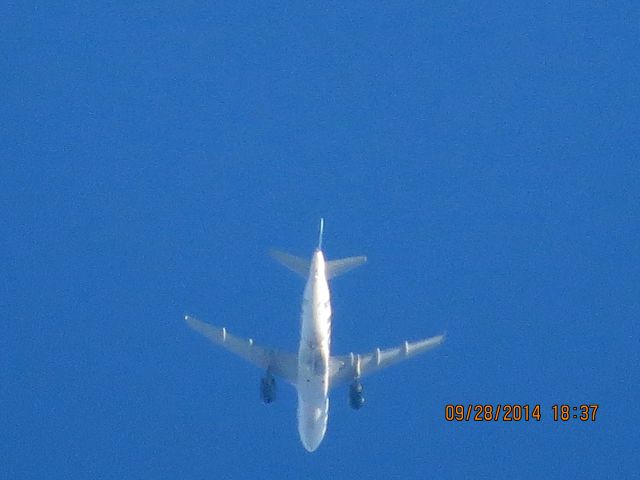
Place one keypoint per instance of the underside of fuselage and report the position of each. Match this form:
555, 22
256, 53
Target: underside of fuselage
313, 356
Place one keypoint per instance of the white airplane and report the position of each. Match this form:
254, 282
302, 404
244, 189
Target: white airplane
313, 371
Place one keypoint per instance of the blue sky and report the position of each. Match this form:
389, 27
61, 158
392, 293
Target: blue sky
485, 158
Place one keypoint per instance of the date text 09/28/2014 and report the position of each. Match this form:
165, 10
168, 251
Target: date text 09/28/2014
514, 412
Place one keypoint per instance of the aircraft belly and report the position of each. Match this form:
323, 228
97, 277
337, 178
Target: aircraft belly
313, 361
313, 389
316, 322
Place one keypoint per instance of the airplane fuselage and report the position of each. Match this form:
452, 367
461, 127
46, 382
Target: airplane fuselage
313, 356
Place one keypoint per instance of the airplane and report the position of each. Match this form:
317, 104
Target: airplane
313, 371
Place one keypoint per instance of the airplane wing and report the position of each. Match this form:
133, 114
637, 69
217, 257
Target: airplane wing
283, 364
348, 367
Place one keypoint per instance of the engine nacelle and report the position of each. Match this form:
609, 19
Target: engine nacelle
268, 388
356, 398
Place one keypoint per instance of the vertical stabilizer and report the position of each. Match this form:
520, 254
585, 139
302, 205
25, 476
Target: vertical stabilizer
321, 232
301, 266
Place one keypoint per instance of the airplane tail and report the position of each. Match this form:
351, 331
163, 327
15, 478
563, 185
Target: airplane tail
301, 266
320, 235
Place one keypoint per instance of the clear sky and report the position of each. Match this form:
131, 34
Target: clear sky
484, 157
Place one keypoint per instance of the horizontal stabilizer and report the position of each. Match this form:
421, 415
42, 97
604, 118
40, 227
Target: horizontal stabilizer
293, 263
343, 265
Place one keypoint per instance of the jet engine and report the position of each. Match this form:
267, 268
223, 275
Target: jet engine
268, 388
356, 398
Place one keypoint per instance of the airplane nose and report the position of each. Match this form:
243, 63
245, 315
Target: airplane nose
311, 442
312, 424
313, 432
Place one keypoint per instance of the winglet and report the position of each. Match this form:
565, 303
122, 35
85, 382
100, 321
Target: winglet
321, 232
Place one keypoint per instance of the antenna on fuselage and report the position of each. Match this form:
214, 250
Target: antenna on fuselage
321, 232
